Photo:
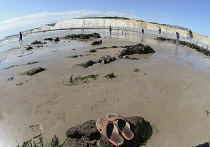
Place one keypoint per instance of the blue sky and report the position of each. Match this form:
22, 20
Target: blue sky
19, 15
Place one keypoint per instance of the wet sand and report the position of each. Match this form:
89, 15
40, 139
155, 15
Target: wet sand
171, 91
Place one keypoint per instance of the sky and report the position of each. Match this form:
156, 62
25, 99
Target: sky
20, 15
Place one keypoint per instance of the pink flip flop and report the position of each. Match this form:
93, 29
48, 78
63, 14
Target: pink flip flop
122, 125
110, 131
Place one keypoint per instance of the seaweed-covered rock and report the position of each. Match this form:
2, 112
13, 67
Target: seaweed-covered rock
37, 42
49, 39
106, 59
57, 39
136, 49
190, 45
29, 48
97, 42
33, 71
86, 135
83, 36
86, 64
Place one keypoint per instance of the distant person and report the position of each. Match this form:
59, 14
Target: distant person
159, 30
20, 37
110, 29
142, 31
177, 37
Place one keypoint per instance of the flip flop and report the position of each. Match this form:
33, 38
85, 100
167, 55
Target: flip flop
122, 125
110, 131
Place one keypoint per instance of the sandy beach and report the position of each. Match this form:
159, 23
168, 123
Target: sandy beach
170, 90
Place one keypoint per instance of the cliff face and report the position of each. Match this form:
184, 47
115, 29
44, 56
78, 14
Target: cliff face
122, 23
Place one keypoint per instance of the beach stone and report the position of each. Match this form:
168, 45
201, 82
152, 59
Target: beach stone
106, 59
29, 48
33, 71
37, 42
49, 39
136, 49
57, 39
97, 42
203, 145
86, 135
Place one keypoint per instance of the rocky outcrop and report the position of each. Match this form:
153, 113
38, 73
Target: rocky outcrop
190, 45
136, 49
86, 135
83, 36
97, 42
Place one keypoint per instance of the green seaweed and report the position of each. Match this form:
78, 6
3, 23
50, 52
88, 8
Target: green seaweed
34, 62
110, 76
20, 84
33, 71
86, 64
136, 70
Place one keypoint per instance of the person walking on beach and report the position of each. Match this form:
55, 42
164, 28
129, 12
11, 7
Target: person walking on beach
159, 30
177, 37
20, 37
110, 29
142, 31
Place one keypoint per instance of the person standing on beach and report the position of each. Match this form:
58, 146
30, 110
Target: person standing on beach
20, 37
159, 30
110, 29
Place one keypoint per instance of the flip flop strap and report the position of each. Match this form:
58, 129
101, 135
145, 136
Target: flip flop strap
112, 119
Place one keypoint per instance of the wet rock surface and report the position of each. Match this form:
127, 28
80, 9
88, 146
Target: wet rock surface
33, 71
97, 42
136, 49
86, 135
83, 36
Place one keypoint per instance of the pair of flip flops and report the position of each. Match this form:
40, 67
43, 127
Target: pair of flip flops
112, 127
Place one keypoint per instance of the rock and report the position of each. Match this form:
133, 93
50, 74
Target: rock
86, 135
96, 42
57, 39
106, 59
49, 39
37, 42
83, 36
33, 71
29, 48
86, 64
136, 49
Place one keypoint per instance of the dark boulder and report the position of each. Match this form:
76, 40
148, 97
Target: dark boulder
136, 49
97, 42
57, 39
86, 135
29, 48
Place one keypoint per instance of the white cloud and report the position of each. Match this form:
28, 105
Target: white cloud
13, 26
